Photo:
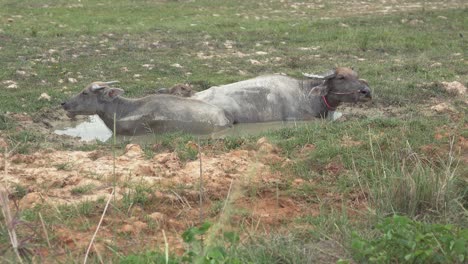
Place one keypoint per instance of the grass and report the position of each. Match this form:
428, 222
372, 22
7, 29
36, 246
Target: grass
407, 162
161, 34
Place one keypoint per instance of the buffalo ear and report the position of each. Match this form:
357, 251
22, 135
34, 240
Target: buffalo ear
163, 91
111, 93
320, 90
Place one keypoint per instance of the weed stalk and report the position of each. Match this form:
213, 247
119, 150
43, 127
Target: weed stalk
201, 192
98, 226
7, 213
45, 230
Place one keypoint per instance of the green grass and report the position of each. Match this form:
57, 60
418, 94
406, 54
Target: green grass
160, 33
83, 189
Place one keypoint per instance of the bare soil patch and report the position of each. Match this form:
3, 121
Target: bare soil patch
56, 178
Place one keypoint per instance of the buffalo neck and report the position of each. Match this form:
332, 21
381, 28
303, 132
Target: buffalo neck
321, 105
120, 106
331, 101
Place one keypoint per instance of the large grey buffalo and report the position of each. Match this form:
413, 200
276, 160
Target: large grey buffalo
277, 97
153, 113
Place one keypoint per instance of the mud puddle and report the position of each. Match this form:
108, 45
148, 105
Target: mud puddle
94, 128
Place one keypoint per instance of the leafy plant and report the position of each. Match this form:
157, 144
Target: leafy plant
403, 240
82, 189
140, 194
197, 252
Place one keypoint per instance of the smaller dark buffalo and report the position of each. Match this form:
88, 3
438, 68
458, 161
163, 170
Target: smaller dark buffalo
182, 90
282, 98
153, 113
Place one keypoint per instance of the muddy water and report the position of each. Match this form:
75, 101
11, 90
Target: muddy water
90, 129
94, 129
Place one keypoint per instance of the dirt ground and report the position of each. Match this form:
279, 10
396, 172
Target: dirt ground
52, 178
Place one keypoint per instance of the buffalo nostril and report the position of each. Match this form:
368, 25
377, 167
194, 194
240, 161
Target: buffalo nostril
62, 104
366, 91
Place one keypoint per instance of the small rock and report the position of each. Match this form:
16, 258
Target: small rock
145, 169
10, 84
442, 17
139, 226
414, 22
148, 66
44, 96
176, 65
22, 73
261, 53
133, 151
297, 182
455, 88
436, 64
157, 216
128, 229
72, 80
255, 62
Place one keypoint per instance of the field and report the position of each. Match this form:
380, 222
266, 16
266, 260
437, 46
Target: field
390, 173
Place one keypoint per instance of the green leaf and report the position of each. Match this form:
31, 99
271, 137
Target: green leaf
459, 246
203, 228
216, 253
231, 237
189, 235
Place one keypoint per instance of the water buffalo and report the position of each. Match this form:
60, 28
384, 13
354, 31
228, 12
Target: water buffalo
153, 113
183, 90
281, 98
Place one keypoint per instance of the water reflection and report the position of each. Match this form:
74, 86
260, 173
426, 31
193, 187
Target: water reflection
90, 129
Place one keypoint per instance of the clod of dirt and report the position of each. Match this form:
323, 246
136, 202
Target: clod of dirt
139, 226
127, 228
443, 108
157, 216
72, 240
454, 88
133, 151
334, 168
266, 147
298, 182
30, 200
50, 114
347, 141
168, 160
44, 96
